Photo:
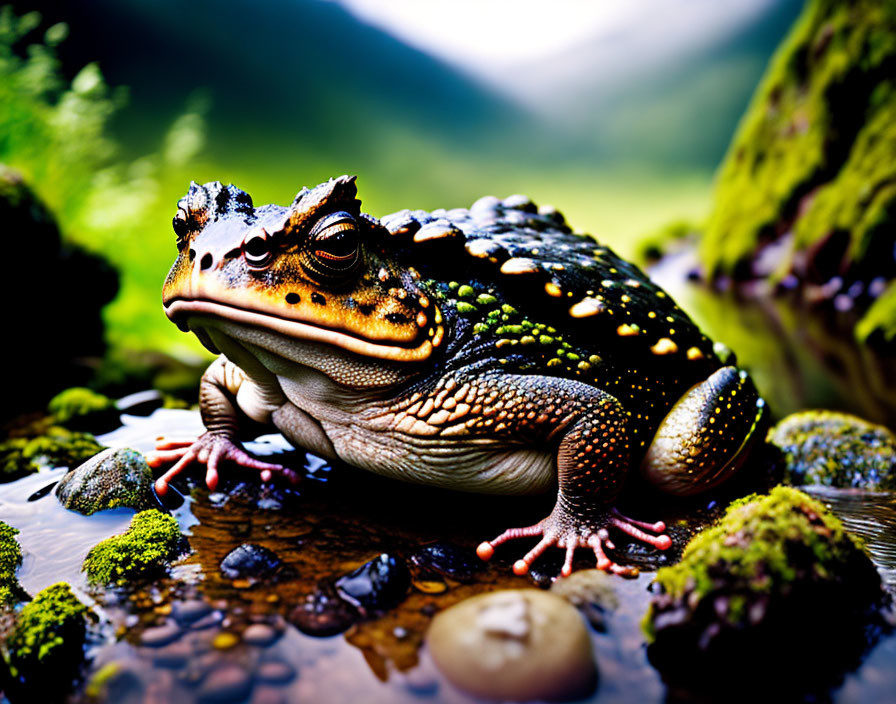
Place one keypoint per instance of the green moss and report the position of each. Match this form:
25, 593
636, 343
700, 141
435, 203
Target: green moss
879, 322
57, 447
813, 153
10, 559
835, 449
50, 628
751, 551
150, 543
80, 408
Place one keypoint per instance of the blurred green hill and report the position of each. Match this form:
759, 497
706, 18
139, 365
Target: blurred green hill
274, 94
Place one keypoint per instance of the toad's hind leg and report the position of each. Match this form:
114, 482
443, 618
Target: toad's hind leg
704, 439
592, 460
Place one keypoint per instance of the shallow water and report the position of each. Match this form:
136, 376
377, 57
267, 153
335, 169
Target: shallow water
337, 520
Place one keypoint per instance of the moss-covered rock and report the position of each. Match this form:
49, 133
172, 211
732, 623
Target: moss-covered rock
79, 408
46, 646
835, 449
55, 447
811, 171
117, 477
10, 559
151, 542
756, 591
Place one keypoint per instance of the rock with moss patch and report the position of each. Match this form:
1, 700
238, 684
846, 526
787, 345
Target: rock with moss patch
837, 450
10, 560
776, 586
117, 477
55, 447
146, 549
45, 648
810, 174
79, 408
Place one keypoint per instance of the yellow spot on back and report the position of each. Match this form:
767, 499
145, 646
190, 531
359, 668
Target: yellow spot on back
626, 330
552, 289
695, 353
664, 346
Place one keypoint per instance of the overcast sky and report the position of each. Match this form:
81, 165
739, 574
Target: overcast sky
513, 44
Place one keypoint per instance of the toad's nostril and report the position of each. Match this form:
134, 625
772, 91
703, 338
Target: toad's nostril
206, 261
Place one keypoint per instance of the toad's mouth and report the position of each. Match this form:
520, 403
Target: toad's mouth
180, 311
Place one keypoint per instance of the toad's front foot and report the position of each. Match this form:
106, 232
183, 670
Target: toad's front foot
563, 529
209, 449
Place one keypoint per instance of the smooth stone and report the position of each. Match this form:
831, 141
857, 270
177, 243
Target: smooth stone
448, 560
592, 592
250, 561
157, 636
174, 655
275, 672
260, 634
227, 683
324, 613
378, 585
212, 619
190, 611
518, 645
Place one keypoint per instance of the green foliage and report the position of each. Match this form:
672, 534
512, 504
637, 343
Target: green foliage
753, 549
814, 152
10, 559
50, 628
78, 407
55, 447
150, 543
879, 320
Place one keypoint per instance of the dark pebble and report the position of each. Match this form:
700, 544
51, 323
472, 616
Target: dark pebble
228, 683
41, 493
190, 611
324, 613
250, 561
275, 672
448, 560
378, 585
157, 636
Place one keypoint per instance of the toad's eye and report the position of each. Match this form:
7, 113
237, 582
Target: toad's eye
181, 228
334, 245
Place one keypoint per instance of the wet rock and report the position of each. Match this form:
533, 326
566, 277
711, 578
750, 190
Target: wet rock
518, 645
158, 636
324, 613
175, 655
448, 560
275, 672
755, 593
48, 638
148, 546
227, 683
208, 621
189, 611
378, 585
250, 561
10, 560
115, 682
114, 478
260, 634
590, 591
835, 449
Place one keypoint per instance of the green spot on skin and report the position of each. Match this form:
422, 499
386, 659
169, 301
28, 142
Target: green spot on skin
452, 285
464, 307
508, 310
546, 340
466, 291
554, 362
572, 357
486, 299
527, 340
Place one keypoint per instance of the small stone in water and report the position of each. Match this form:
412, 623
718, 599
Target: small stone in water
212, 619
175, 655
275, 672
250, 561
324, 613
378, 585
228, 683
157, 636
225, 641
190, 611
448, 560
115, 477
260, 634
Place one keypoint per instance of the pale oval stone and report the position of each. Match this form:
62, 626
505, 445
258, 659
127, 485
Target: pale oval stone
517, 645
